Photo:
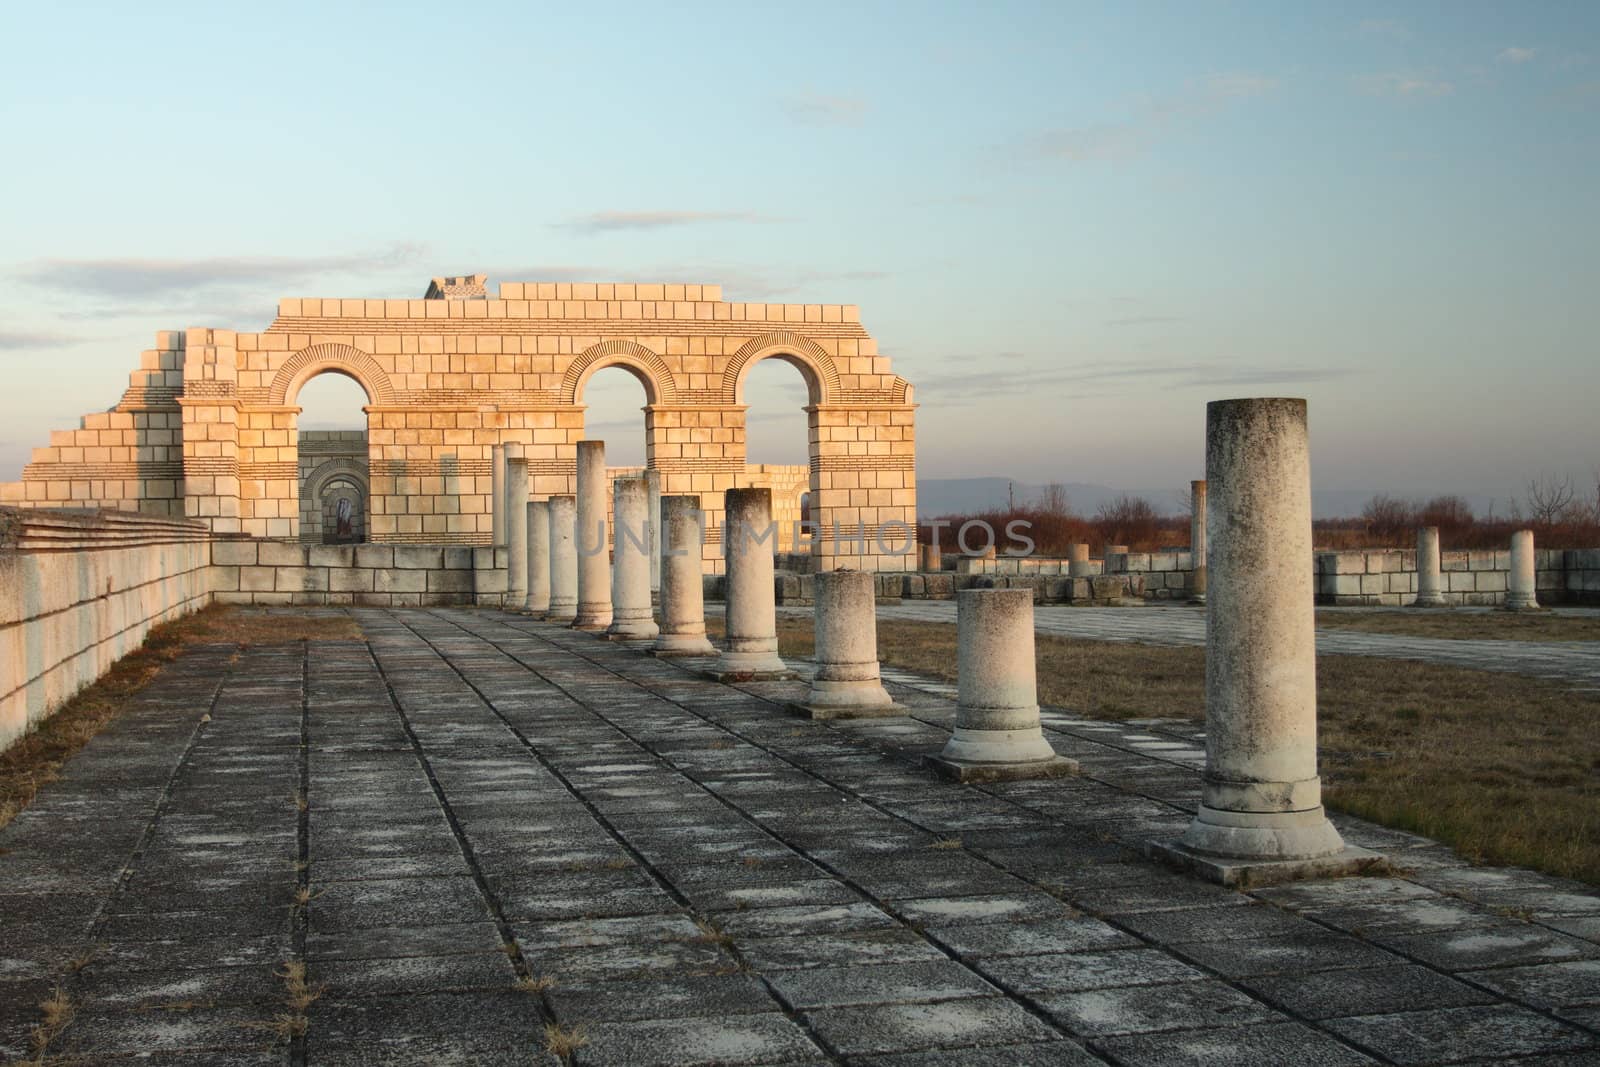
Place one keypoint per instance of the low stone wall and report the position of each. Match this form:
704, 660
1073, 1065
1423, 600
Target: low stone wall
78, 590
287, 572
1388, 577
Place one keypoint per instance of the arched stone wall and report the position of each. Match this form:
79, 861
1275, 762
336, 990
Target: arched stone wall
207, 426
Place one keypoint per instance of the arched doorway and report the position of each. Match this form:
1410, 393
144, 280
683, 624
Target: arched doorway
778, 445
332, 491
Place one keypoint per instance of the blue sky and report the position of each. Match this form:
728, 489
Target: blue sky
1070, 225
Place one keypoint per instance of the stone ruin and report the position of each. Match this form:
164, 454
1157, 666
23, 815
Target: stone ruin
207, 427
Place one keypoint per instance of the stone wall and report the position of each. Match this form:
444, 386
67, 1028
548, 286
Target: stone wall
333, 460
1389, 577
289, 572
78, 590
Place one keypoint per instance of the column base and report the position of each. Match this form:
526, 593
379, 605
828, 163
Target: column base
591, 623
559, 617
673, 646
762, 666
1528, 606
971, 771
829, 712
1238, 873
1431, 602
642, 630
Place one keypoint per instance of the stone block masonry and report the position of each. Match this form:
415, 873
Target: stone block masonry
207, 426
79, 590
280, 572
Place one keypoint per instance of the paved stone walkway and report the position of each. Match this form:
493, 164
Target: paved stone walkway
472, 825
1574, 662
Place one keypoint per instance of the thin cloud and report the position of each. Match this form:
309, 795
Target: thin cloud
1402, 85
21, 340
613, 221
1144, 320
133, 278
815, 109
1392, 28
1516, 55
966, 386
1124, 139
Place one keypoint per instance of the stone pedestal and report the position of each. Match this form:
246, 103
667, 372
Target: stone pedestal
563, 559
631, 617
846, 684
652, 479
750, 651
997, 735
1111, 550
497, 489
516, 511
538, 601
929, 559
1430, 587
1260, 817
683, 613
1197, 542
594, 563
1078, 561
1521, 592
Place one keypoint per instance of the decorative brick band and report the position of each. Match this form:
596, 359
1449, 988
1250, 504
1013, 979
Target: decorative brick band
894, 462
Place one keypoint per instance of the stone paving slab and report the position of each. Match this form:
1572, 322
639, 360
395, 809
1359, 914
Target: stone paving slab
471, 826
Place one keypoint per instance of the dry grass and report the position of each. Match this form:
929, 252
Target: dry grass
1503, 767
563, 1041
56, 1012
1475, 625
539, 983
36, 758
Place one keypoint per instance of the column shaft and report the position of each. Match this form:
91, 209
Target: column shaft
683, 614
538, 601
594, 562
751, 647
563, 559
631, 617
516, 512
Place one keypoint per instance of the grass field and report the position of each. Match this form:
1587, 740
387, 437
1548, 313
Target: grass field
36, 758
1504, 768
1464, 625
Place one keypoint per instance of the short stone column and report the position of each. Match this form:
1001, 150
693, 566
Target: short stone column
631, 617
1197, 542
563, 559
652, 479
1521, 585
846, 684
929, 559
1111, 550
497, 493
1078, 561
594, 563
750, 651
1260, 815
683, 606
516, 509
997, 735
538, 601
1430, 586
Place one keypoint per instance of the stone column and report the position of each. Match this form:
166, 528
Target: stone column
929, 559
1430, 592
631, 619
1078, 561
997, 734
594, 564
683, 610
652, 479
516, 512
846, 684
538, 601
1521, 594
1107, 552
750, 651
563, 559
1197, 542
497, 502
1260, 816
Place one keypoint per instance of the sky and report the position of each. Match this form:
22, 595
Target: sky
1069, 225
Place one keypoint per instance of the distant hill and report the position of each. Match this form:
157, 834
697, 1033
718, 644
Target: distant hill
964, 496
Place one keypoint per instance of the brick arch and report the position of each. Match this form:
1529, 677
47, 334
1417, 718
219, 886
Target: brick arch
660, 386
820, 371
340, 359
339, 467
